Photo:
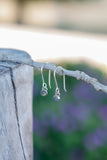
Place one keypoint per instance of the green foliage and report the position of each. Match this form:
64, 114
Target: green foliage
75, 127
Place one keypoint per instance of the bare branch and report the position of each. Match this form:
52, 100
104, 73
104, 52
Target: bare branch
24, 58
76, 74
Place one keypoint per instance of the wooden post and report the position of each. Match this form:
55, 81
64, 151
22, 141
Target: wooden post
16, 83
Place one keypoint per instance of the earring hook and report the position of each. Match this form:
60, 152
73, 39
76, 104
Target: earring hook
49, 79
44, 90
64, 86
42, 74
55, 77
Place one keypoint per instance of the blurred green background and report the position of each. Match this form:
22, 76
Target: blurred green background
74, 128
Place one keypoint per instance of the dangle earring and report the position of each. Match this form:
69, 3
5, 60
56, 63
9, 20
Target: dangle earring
44, 90
57, 92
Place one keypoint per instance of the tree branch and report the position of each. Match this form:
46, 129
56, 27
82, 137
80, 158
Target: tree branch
11, 55
79, 75
76, 74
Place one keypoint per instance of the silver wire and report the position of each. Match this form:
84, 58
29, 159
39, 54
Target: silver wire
64, 86
49, 79
55, 77
42, 74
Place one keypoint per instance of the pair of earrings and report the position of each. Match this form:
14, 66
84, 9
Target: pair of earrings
44, 90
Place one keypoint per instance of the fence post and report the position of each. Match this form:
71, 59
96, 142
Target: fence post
16, 84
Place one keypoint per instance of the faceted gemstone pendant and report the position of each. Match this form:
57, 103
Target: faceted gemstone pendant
56, 98
43, 92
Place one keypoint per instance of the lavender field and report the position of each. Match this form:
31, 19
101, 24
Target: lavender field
75, 128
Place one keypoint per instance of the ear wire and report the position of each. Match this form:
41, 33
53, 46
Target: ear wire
42, 74
55, 76
64, 86
57, 92
49, 79
44, 90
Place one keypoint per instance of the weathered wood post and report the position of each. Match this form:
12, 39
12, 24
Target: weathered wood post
16, 83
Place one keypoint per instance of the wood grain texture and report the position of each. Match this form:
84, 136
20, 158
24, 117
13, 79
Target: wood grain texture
16, 83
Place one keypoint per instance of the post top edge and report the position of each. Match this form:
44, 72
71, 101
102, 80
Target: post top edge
14, 51
14, 55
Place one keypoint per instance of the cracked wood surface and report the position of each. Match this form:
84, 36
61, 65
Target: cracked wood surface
16, 83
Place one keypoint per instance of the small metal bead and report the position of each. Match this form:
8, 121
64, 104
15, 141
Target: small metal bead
56, 97
43, 92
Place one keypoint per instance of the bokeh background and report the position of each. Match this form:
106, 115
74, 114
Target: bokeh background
84, 15
73, 34
74, 128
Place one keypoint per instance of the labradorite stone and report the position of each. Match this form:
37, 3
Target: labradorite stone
56, 98
43, 92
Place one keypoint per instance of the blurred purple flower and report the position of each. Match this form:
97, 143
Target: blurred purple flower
51, 120
82, 90
80, 113
102, 134
92, 142
103, 113
77, 154
38, 128
96, 139
62, 125
85, 92
48, 118
73, 125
